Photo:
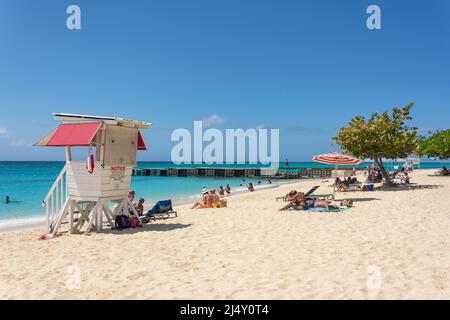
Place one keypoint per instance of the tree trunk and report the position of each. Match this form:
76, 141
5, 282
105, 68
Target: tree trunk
386, 176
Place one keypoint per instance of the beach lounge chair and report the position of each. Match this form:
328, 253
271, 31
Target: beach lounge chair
359, 187
309, 195
161, 210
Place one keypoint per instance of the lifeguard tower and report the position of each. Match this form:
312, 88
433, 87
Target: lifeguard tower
86, 191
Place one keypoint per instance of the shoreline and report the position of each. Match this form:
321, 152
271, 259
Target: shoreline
35, 222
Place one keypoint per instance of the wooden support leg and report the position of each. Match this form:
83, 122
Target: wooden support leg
62, 215
91, 219
71, 207
109, 215
99, 220
84, 214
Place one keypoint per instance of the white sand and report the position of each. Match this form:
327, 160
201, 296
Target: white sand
397, 242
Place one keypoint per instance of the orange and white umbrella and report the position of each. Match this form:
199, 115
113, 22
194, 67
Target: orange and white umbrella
337, 159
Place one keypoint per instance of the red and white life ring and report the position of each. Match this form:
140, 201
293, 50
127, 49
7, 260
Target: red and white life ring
90, 163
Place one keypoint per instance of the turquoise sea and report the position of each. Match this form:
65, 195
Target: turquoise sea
27, 183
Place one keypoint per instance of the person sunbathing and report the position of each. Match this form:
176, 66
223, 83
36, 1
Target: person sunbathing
214, 199
296, 200
205, 202
316, 203
444, 171
354, 180
405, 179
250, 187
345, 188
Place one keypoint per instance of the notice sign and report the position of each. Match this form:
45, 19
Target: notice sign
117, 173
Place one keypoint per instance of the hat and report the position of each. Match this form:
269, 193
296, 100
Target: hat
205, 191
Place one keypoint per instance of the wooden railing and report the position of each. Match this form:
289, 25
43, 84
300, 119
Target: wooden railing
55, 199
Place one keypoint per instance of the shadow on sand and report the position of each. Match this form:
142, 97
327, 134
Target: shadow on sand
412, 186
149, 227
359, 199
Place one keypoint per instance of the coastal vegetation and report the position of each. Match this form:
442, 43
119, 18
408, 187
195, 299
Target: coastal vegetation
386, 135
437, 145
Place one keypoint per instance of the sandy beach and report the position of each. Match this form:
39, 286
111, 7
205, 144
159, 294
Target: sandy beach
390, 245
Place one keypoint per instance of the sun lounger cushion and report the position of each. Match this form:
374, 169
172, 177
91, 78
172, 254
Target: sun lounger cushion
160, 207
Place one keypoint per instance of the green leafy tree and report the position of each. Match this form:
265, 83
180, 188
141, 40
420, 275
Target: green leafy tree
435, 146
383, 135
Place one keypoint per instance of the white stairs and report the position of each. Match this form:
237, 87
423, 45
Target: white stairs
56, 203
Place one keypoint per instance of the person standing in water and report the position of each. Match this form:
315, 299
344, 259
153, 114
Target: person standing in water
221, 192
286, 162
7, 199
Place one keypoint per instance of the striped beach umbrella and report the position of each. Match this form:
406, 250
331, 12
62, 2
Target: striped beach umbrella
336, 159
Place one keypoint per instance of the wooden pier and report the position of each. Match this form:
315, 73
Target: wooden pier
264, 173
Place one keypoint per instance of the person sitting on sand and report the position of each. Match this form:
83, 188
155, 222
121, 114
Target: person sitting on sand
345, 187
378, 177
405, 179
337, 181
131, 196
228, 189
214, 198
296, 200
444, 171
354, 180
250, 187
269, 181
221, 192
205, 202
139, 207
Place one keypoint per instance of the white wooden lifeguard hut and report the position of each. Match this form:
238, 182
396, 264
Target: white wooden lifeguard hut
80, 195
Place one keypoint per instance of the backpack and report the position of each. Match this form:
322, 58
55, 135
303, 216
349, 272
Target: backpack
122, 222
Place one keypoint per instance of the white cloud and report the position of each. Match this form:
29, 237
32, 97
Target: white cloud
215, 119
11, 139
4, 132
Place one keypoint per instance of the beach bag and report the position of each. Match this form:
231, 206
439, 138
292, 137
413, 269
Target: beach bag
122, 222
134, 222
223, 203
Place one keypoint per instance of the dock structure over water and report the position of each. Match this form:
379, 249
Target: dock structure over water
265, 173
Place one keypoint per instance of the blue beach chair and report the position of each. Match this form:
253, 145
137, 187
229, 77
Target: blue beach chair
161, 210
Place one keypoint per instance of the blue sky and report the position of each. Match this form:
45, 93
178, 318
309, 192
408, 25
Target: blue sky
305, 67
